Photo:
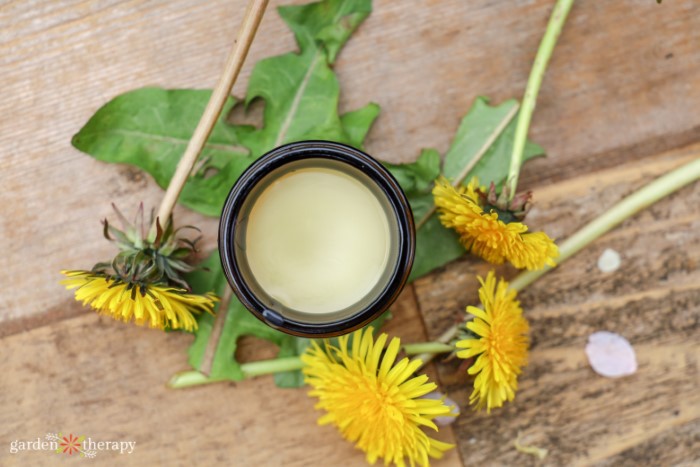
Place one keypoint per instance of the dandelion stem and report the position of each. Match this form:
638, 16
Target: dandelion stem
191, 378
427, 347
649, 194
446, 337
234, 62
544, 53
628, 207
185, 379
263, 367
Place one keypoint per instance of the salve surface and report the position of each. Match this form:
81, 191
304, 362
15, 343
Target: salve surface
317, 240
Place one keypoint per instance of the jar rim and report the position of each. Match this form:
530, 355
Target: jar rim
317, 149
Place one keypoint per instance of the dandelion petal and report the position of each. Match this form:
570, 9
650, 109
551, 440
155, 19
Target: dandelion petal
610, 354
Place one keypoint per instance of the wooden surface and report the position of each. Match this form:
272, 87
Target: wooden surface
619, 105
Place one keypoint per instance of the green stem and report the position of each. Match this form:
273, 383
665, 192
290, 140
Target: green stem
649, 194
642, 198
447, 336
544, 53
185, 379
191, 378
263, 367
427, 347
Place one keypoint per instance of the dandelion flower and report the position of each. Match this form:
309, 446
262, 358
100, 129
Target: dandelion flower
374, 401
158, 306
491, 232
144, 282
499, 343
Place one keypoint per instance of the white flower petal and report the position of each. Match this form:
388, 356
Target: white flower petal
609, 261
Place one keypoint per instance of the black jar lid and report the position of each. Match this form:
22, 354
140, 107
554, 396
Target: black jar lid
233, 221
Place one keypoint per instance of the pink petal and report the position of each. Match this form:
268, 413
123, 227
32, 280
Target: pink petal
610, 354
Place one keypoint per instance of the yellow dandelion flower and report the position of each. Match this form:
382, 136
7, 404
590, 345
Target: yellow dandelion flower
501, 346
375, 402
154, 305
485, 233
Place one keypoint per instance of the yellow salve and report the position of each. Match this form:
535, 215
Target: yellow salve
317, 240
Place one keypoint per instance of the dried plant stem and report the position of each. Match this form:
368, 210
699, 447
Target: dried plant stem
234, 63
213, 341
475, 160
544, 53
628, 207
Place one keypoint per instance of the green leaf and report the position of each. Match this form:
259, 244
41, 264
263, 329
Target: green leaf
435, 247
300, 91
416, 179
358, 122
292, 348
150, 128
476, 129
329, 24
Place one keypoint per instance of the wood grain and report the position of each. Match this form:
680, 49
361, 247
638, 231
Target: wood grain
622, 88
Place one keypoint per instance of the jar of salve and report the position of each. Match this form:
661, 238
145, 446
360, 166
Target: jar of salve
316, 239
